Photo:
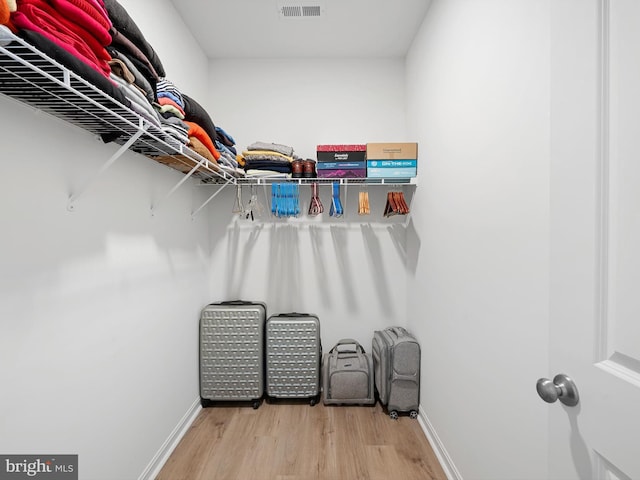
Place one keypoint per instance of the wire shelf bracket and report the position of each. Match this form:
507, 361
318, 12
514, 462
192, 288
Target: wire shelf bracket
123, 148
214, 195
154, 207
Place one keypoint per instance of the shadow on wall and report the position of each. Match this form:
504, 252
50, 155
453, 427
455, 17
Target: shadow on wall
398, 234
319, 255
239, 256
412, 247
375, 256
283, 275
340, 236
293, 261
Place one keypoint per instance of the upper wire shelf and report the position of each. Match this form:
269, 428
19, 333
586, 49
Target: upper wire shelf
341, 181
31, 77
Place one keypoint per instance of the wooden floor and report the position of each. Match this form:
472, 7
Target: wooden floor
294, 441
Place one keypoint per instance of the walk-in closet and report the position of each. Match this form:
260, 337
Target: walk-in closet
509, 255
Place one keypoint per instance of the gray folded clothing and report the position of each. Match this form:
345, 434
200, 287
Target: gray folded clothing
137, 101
176, 122
274, 147
140, 80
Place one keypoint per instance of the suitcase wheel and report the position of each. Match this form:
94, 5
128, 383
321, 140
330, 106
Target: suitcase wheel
205, 402
255, 404
413, 414
313, 401
393, 414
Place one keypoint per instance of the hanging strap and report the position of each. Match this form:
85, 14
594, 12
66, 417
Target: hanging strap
274, 199
315, 205
336, 204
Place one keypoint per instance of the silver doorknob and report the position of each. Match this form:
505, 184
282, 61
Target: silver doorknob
562, 387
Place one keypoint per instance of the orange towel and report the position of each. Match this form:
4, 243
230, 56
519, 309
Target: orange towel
4, 12
5, 15
197, 131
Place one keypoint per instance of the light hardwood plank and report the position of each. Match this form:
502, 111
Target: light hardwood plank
294, 441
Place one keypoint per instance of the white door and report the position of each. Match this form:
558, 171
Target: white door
595, 237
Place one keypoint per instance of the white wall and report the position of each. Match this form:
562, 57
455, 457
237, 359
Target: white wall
182, 58
478, 103
306, 102
99, 307
349, 271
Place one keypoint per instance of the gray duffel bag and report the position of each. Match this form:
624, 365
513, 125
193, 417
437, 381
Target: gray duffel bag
347, 373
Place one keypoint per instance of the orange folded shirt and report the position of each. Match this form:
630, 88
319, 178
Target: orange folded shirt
5, 15
197, 131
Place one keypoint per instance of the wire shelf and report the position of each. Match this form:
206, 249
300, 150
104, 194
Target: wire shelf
31, 77
327, 181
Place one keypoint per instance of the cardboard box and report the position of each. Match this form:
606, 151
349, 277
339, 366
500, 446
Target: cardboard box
392, 151
341, 153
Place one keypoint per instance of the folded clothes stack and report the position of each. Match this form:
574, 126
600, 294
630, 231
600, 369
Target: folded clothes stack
208, 135
195, 130
170, 99
6, 7
99, 41
170, 106
226, 145
129, 41
273, 160
125, 80
80, 27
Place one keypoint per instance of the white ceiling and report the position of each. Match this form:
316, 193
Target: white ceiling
345, 28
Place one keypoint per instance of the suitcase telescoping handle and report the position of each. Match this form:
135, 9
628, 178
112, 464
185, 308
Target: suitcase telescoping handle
347, 341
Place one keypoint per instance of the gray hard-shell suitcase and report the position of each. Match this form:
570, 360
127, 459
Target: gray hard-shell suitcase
347, 372
293, 356
396, 359
232, 352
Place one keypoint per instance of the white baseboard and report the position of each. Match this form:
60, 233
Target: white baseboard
161, 457
445, 460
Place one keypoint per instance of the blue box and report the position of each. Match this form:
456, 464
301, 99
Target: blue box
392, 163
392, 168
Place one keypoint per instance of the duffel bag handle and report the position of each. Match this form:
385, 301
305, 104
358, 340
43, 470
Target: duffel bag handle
348, 341
236, 302
399, 331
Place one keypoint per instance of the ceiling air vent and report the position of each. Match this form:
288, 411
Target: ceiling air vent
289, 10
